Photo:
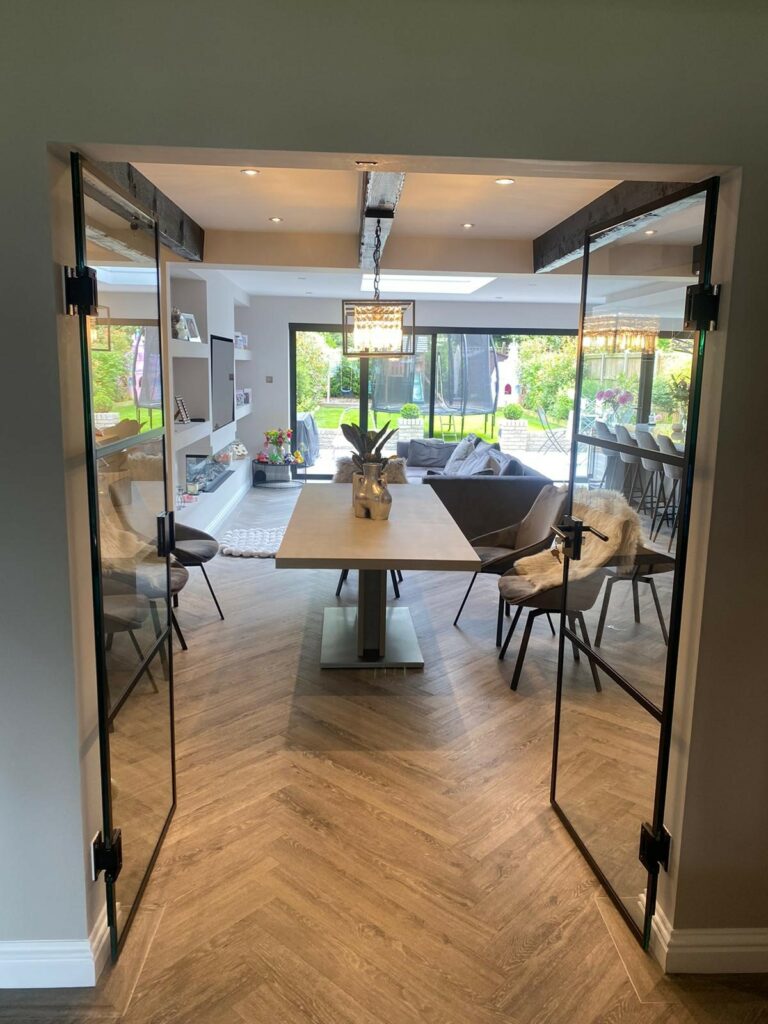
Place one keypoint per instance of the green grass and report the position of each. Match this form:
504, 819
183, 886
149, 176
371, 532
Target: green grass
328, 417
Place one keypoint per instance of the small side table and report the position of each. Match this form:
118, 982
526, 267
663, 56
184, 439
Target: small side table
264, 473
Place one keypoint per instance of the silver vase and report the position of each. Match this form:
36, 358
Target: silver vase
370, 495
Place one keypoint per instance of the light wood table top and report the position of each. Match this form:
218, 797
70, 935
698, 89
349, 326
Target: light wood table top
324, 533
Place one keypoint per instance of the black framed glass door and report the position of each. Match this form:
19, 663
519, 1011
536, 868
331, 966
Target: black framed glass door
634, 440
114, 289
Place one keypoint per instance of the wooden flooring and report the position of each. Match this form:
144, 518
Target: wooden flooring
378, 847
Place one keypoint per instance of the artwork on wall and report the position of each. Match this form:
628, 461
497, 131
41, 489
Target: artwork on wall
241, 340
181, 415
184, 326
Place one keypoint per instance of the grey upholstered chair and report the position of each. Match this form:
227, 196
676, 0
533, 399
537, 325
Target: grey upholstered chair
498, 551
631, 462
611, 457
647, 563
654, 484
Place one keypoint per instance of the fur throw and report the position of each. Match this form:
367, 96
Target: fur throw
394, 471
608, 512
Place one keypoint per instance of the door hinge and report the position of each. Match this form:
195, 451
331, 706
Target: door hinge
108, 859
654, 848
702, 303
81, 293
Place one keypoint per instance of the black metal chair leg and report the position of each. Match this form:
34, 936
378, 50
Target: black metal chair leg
644, 494
636, 598
175, 600
592, 665
572, 624
110, 639
660, 497
158, 631
512, 625
461, 607
604, 609
342, 580
523, 649
500, 620
399, 576
665, 512
213, 595
140, 653
656, 601
178, 632
395, 587
551, 626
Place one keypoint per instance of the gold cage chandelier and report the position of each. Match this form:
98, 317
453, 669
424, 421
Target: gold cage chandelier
620, 332
376, 328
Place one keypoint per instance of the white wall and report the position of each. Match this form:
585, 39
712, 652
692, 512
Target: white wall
266, 321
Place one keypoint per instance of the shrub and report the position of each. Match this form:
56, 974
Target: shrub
547, 367
312, 357
410, 411
513, 412
562, 405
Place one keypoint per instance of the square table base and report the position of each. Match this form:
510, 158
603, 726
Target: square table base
340, 641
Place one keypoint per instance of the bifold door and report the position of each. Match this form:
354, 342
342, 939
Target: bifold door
647, 303
114, 289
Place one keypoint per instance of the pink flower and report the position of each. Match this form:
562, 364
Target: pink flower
624, 397
600, 396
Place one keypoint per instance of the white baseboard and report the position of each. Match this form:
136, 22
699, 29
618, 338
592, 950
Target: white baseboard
63, 963
708, 950
236, 498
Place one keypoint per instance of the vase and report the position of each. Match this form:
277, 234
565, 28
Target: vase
370, 495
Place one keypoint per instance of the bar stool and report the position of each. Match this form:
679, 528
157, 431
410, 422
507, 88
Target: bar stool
611, 457
674, 474
623, 436
654, 485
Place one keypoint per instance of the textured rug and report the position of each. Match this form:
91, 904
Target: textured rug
251, 543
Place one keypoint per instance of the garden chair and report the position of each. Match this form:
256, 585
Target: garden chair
555, 439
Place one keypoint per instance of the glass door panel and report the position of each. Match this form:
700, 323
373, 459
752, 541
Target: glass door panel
131, 531
636, 403
466, 386
395, 385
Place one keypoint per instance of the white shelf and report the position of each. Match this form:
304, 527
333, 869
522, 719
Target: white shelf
242, 410
188, 349
210, 510
185, 434
243, 353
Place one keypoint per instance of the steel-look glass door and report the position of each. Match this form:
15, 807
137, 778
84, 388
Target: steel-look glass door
647, 303
114, 289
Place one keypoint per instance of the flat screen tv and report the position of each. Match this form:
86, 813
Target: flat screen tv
222, 381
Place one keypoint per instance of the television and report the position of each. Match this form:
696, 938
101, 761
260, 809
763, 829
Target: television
222, 381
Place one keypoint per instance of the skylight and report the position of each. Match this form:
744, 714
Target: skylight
426, 283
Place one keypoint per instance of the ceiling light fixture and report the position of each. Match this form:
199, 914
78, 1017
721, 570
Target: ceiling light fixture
620, 332
364, 165
467, 226
378, 327
251, 172
505, 181
651, 231
276, 220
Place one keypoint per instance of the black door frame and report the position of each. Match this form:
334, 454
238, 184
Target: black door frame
105, 714
663, 714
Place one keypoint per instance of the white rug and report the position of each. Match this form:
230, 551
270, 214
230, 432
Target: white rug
251, 543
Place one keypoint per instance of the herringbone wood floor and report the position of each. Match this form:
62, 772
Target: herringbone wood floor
370, 847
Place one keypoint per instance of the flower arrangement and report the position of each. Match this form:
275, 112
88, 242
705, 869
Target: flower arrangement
278, 437
617, 400
273, 452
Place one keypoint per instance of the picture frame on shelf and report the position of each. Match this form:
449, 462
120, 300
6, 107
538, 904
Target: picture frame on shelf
181, 415
184, 327
241, 340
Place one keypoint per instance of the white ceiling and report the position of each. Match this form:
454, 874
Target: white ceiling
684, 227
222, 198
435, 205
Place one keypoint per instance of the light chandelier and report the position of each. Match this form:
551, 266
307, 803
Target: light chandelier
620, 332
376, 328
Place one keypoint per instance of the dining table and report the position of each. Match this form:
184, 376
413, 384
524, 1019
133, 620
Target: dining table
324, 533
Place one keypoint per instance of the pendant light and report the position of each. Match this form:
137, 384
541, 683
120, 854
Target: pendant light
377, 328
620, 332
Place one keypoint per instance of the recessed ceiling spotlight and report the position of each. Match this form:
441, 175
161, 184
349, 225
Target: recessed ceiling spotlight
505, 181
276, 220
365, 164
651, 231
467, 225
251, 172
302, 279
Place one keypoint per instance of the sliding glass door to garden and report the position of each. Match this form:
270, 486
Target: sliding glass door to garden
513, 388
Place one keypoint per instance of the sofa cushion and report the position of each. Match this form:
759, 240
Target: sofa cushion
477, 462
462, 451
428, 451
513, 468
498, 461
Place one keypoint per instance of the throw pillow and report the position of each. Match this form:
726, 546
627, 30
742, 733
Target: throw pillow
462, 451
429, 452
498, 461
477, 462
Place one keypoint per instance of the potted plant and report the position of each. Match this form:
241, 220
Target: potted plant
411, 424
370, 496
513, 430
680, 390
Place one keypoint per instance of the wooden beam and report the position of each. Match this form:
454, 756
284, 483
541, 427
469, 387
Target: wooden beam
177, 230
565, 241
381, 192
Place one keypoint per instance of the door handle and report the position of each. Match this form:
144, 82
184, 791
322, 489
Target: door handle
570, 532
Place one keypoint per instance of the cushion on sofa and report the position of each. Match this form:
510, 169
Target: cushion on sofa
498, 461
428, 451
476, 462
462, 451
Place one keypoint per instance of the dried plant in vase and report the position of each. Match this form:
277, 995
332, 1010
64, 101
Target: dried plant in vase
370, 496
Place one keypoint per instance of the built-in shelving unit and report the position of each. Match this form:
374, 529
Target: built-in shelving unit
212, 303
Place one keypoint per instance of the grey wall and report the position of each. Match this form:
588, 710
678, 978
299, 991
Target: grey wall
597, 80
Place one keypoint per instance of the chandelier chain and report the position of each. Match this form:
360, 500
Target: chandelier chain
376, 259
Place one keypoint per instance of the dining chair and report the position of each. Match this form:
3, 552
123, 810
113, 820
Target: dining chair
603, 431
499, 550
648, 562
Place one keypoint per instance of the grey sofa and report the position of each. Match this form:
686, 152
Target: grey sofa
479, 503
